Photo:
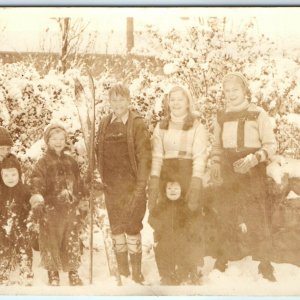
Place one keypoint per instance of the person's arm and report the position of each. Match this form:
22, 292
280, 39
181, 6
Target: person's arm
143, 156
268, 146
267, 137
199, 151
217, 148
38, 178
38, 187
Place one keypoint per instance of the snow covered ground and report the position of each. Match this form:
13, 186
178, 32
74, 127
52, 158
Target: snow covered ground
240, 278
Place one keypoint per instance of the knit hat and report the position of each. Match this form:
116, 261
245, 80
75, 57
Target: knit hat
5, 138
189, 121
11, 161
239, 75
50, 127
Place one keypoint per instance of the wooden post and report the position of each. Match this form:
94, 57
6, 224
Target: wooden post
130, 35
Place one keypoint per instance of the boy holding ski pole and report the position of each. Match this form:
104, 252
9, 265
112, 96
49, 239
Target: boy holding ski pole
123, 152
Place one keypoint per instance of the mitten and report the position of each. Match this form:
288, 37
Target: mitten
215, 174
37, 205
243, 227
153, 192
243, 165
36, 200
83, 205
194, 194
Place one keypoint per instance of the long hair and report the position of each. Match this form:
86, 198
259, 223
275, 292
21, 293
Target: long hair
189, 119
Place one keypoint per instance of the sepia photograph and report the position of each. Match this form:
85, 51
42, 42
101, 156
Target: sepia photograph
150, 151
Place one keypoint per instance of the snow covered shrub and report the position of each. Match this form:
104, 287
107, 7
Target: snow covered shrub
199, 56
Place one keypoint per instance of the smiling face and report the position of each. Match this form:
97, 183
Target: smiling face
234, 91
57, 140
173, 191
10, 177
178, 103
119, 104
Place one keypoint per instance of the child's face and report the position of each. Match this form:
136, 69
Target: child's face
57, 141
235, 92
119, 104
178, 104
10, 176
173, 191
4, 150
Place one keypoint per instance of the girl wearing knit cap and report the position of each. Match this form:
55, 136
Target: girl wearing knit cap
244, 141
15, 246
179, 149
57, 191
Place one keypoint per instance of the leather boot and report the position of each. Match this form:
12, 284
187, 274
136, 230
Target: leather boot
136, 265
266, 270
122, 260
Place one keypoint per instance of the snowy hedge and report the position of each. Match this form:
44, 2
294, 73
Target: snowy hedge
197, 57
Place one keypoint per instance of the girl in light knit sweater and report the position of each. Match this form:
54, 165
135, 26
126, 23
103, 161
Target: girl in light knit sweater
244, 141
179, 149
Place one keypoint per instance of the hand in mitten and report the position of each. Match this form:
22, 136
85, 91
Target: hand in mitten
194, 194
215, 174
37, 204
243, 227
83, 205
153, 192
243, 165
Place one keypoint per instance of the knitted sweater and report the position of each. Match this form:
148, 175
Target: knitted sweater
257, 133
177, 143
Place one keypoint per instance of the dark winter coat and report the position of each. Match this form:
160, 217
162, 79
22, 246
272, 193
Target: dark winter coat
139, 149
15, 244
57, 178
14, 203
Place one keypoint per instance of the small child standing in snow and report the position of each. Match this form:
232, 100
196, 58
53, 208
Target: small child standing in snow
14, 235
124, 158
168, 220
57, 189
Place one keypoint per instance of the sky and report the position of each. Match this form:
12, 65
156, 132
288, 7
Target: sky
25, 27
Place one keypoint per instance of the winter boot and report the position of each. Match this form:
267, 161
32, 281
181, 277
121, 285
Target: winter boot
74, 278
122, 260
169, 280
26, 279
136, 265
221, 264
195, 278
266, 270
53, 277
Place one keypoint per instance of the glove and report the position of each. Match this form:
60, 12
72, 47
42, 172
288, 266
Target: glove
194, 194
243, 227
243, 165
215, 174
153, 192
37, 205
83, 205
36, 200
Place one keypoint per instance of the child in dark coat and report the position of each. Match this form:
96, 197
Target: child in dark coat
15, 243
124, 159
57, 190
